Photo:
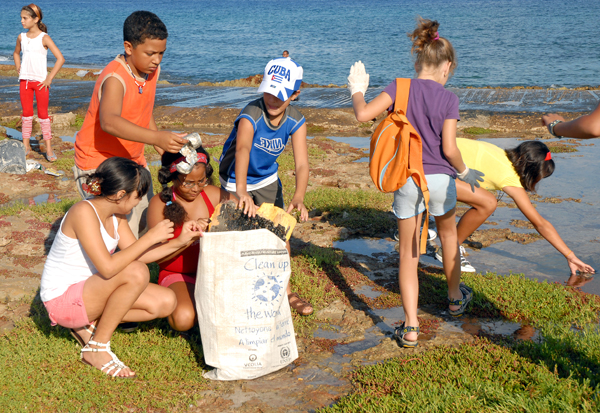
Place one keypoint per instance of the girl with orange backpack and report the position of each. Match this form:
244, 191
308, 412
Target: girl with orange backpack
433, 112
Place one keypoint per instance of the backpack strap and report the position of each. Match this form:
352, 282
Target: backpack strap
402, 91
401, 103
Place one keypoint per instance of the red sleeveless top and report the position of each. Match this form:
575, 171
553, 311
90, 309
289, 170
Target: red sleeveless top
187, 261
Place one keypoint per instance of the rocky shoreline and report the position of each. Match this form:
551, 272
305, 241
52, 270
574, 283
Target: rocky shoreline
368, 284
337, 170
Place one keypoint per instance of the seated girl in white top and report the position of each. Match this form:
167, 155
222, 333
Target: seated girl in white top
87, 286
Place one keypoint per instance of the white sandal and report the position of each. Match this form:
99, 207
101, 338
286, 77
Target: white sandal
89, 328
115, 363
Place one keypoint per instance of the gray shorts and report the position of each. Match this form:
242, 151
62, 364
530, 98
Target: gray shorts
409, 201
136, 218
271, 194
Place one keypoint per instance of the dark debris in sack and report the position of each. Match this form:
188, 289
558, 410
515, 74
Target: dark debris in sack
232, 218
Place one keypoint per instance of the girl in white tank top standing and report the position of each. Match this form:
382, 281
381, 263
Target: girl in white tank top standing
34, 78
89, 288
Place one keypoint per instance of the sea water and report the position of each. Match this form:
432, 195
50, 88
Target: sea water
498, 43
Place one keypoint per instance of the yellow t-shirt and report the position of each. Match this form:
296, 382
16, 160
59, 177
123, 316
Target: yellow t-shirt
492, 161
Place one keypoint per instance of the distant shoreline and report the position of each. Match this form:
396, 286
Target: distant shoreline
91, 74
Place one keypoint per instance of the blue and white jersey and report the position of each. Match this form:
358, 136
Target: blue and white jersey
268, 143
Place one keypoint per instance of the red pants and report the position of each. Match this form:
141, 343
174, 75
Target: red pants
28, 88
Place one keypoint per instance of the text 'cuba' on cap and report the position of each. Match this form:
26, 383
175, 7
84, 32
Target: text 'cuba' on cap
282, 78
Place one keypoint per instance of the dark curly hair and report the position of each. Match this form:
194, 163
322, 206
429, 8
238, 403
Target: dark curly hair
175, 212
529, 161
120, 174
429, 47
142, 25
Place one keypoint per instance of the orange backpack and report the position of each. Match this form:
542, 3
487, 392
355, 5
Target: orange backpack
397, 153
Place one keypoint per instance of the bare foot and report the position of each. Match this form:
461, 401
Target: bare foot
301, 306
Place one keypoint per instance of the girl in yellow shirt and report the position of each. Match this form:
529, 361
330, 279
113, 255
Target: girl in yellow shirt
515, 171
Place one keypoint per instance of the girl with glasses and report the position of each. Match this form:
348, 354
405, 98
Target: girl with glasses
190, 197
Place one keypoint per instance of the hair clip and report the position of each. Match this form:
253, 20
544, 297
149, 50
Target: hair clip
548, 156
93, 188
437, 37
175, 166
169, 203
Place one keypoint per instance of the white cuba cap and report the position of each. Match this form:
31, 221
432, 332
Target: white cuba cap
282, 78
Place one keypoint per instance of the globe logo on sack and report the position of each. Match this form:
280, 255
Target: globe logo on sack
267, 289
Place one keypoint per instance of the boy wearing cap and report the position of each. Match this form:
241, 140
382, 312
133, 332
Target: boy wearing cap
248, 165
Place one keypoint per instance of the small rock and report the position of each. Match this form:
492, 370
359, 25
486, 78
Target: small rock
12, 157
63, 120
334, 312
344, 233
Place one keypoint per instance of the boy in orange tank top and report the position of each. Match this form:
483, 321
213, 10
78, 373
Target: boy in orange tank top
119, 120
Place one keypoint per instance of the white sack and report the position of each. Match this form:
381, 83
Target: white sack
243, 311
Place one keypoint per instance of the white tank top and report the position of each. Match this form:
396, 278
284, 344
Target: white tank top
67, 263
34, 63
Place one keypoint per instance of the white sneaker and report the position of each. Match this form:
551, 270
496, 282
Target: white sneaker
465, 266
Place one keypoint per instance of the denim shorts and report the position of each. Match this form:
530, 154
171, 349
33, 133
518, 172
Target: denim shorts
409, 201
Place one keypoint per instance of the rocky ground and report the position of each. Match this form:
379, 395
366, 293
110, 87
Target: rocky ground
19, 280
317, 378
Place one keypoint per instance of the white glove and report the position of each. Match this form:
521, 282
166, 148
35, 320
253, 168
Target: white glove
358, 81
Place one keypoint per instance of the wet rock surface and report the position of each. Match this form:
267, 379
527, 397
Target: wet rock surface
354, 331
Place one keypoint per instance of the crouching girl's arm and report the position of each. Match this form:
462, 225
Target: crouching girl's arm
82, 224
190, 232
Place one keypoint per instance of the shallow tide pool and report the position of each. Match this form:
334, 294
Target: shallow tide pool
576, 222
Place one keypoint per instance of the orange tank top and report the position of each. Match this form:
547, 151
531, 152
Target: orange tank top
92, 144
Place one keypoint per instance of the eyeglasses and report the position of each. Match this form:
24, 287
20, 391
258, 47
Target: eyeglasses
190, 184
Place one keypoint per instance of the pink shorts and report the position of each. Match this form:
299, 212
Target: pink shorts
68, 309
167, 278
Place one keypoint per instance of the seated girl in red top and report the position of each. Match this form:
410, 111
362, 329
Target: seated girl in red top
191, 197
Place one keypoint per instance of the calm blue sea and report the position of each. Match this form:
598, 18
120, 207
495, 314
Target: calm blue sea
499, 42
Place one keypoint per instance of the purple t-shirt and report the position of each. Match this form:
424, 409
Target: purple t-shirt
429, 105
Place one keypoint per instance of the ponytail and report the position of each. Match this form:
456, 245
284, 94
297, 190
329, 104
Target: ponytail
429, 47
34, 11
173, 210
